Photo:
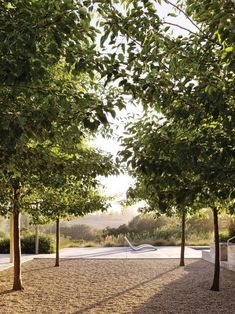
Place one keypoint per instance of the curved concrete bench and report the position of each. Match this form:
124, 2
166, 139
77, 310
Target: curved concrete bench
140, 247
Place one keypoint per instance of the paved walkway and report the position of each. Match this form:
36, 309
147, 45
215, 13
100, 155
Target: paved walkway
125, 252
5, 260
110, 253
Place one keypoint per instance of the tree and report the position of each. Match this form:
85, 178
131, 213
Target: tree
61, 183
73, 199
47, 91
188, 78
155, 158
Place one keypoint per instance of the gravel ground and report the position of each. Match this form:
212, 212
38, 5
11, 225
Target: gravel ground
117, 286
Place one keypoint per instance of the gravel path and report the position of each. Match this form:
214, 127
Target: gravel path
117, 286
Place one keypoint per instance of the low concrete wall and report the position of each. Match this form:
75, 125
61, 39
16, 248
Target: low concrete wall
227, 255
207, 256
222, 251
231, 254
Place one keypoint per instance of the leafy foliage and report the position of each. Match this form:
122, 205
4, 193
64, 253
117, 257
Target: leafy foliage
189, 81
46, 245
50, 101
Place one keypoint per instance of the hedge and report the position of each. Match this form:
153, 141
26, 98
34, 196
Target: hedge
46, 245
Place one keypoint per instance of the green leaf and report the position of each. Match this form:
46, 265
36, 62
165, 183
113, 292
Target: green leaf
229, 49
8, 5
83, 11
104, 38
172, 14
121, 57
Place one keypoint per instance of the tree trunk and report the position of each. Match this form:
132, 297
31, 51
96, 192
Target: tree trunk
11, 238
36, 239
17, 284
57, 258
215, 285
182, 237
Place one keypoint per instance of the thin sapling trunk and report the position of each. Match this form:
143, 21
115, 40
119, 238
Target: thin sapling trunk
17, 283
215, 285
57, 258
37, 239
182, 237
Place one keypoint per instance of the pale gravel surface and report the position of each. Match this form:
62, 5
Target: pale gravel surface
117, 286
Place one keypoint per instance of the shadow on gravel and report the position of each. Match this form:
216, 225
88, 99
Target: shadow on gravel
6, 292
141, 284
191, 293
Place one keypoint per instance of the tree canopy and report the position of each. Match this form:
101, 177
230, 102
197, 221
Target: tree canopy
189, 80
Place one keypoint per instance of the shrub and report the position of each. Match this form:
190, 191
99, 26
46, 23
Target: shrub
111, 241
79, 232
90, 244
46, 245
2, 234
123, 229
231, 228
142, 223
5, 246
200, 224
224, 236
203, 237
167, 232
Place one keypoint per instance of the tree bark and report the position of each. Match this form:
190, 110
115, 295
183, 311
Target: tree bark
57, 258
17, 283
215, 285
37, 239
11, 238
182, 237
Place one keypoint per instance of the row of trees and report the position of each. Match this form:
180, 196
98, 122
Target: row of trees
182, 151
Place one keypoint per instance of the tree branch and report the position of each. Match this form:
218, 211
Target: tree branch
193, 23
181, 27
45, 89
182, 11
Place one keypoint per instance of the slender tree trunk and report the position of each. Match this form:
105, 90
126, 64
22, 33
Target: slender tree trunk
17, 284
182, 237
215, 285
37, 239
11, 238
57, 258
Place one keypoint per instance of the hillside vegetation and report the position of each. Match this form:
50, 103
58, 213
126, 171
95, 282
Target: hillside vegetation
147, 229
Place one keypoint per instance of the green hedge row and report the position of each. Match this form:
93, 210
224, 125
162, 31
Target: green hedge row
46, 245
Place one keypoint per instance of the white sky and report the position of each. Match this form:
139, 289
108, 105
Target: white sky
118, 185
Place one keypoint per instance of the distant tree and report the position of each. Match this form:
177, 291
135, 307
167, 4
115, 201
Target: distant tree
79, 232
71, 189
155, 158
142, 224
122, 229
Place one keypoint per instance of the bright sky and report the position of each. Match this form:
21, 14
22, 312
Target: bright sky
118, 185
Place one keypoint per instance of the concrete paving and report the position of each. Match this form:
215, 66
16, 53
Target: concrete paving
125, 252
109, 253
5, 260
